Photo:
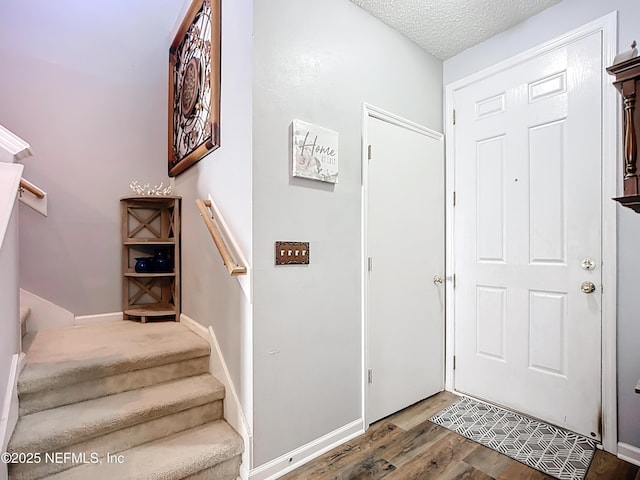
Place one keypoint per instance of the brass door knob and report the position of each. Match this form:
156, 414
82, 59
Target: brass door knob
438, 279
588, 287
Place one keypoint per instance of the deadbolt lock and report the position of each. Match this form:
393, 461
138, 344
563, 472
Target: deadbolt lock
588, 287
588, 264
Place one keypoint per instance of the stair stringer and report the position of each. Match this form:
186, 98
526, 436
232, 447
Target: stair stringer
46, 315
9, 413
233, 411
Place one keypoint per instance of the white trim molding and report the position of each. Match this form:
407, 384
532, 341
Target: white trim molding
233, 411
44, 314
375, 112
9, 410
607, 26
97, 318
610, 175
10, 175
629, 453
294, 459
14, 148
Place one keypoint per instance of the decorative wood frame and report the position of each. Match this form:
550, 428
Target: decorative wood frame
194, 87
627, 82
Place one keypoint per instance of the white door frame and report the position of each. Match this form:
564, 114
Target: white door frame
370, 111
607, 25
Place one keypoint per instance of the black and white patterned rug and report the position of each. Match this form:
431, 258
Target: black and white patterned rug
551, 450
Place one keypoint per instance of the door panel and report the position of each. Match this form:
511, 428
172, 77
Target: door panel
405, 240
528, 187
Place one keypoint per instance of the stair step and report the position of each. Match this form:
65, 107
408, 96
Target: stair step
211, 451
118, 441
62, 357
100, 387
60, 427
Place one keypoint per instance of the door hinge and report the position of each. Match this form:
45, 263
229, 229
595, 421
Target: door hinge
370, 375
454, 362
369, 263
454, 116
369, 152
454, 199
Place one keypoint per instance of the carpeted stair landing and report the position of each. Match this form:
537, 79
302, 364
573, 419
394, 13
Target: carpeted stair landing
121, 400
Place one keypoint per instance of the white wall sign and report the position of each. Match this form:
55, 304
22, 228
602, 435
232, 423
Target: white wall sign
315, 152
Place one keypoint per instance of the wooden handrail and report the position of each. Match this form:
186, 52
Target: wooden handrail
24, 185
232, 267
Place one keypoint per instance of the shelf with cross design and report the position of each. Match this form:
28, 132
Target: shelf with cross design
150, 257
149, 275
148, 242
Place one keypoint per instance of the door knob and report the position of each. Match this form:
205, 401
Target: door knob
438, 279
588, 287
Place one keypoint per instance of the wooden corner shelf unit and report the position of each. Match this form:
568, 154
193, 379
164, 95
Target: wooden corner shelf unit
150, 226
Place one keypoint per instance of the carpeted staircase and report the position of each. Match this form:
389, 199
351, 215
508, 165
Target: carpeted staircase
131, 401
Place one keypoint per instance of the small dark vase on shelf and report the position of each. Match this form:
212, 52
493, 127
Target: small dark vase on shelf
160, 262
143, 265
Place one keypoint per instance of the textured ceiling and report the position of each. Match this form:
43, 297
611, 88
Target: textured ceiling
447, 27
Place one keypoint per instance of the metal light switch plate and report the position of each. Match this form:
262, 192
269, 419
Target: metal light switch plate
292, 253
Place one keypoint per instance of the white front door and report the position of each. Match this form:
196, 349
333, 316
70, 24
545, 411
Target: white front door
404, 184
528, 237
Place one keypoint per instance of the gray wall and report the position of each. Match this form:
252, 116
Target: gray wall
318, 62
551, 23
209, 295
9, 308
85, 83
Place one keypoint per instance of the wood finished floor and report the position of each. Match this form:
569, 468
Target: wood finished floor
406, 446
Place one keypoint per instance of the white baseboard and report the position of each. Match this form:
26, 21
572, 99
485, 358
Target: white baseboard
9, 411
195, 327
244, 471
294, 459
629, 453
21, 363
99, 318
44, 314
233, 411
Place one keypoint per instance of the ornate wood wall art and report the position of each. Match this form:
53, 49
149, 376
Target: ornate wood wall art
194, 86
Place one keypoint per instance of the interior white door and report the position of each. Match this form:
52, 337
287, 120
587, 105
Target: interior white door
405, 241
528, 237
